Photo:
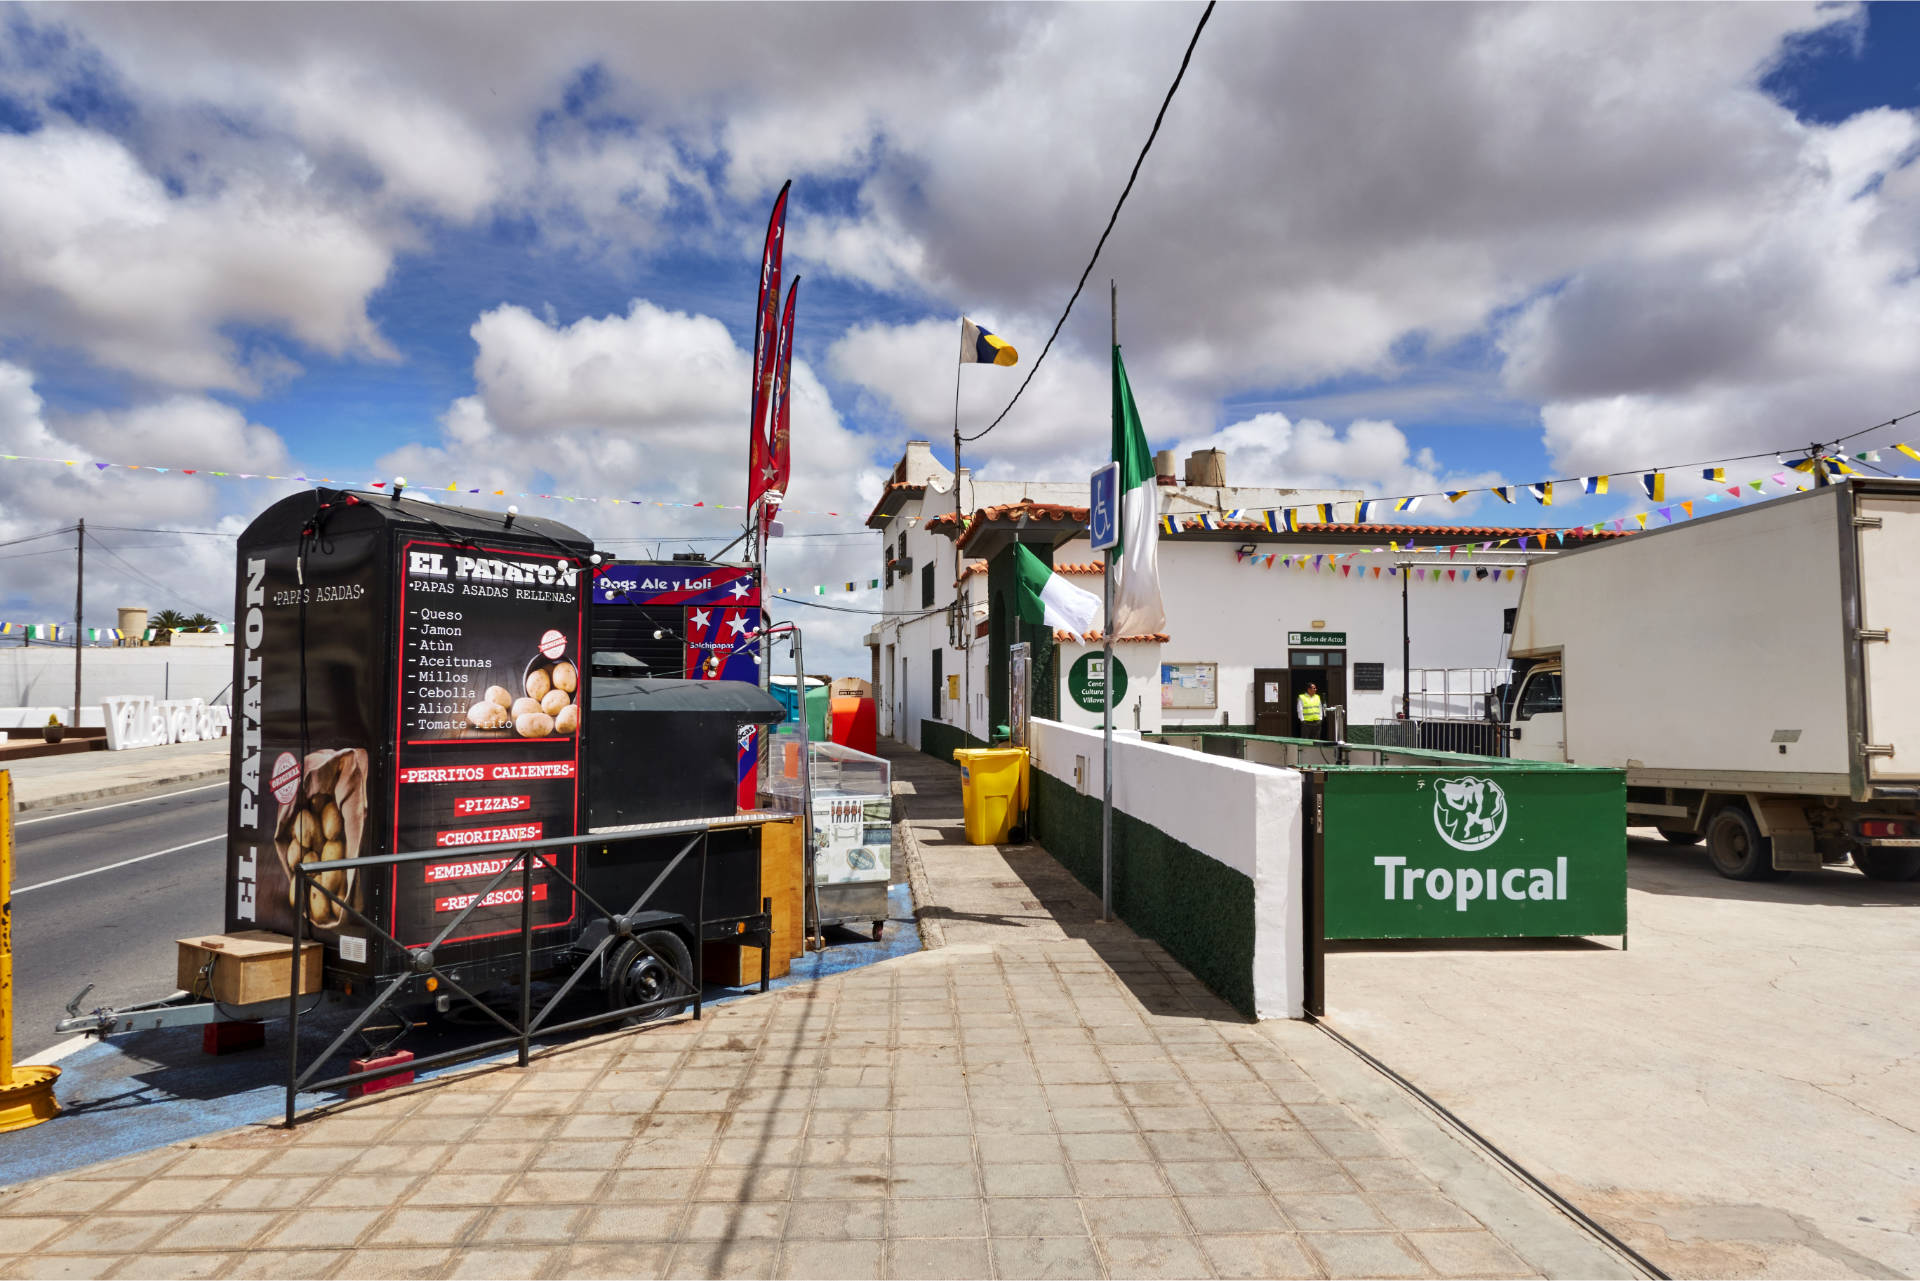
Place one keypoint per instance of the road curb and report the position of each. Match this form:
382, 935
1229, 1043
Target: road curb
116, 789
933, 934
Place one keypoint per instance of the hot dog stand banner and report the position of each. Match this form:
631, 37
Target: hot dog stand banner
408, 676
1479, 852
687, 619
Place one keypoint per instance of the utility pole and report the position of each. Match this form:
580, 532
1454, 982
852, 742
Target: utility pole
79, 603
962, 635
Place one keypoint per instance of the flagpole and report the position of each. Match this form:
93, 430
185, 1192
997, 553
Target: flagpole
1106, 684
959, 528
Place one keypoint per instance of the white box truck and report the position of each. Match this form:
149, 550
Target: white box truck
1756, 673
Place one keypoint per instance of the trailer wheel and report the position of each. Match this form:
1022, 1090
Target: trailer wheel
1888, 865
1675, 836
639, 976
1736, 847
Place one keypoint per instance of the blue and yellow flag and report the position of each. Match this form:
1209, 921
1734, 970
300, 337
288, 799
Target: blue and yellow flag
980, 347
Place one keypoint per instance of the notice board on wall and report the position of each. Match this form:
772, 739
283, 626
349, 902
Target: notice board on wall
1370, 676
1190, 685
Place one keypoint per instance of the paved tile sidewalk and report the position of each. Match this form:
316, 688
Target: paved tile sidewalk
42, 782
1016, 1103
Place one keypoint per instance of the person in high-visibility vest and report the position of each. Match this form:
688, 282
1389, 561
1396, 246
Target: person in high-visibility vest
1310, 711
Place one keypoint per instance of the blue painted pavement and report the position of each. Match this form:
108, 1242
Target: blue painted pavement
150, 1089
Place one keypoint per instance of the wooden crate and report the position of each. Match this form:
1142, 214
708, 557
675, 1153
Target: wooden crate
248, 966
780, 880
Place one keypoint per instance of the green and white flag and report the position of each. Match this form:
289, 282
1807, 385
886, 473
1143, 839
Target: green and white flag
1050, 600
1137, 608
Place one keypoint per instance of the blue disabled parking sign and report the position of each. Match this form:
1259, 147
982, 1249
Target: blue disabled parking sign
1103, 509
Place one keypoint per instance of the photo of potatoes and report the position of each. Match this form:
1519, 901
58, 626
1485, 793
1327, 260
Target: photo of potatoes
548, 707
324, 823
545, 705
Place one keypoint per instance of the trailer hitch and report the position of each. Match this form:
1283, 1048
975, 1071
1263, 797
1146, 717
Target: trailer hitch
97, 1022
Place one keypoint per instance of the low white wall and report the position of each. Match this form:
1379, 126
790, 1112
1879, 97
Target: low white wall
1245, 815
36, 675
36, 717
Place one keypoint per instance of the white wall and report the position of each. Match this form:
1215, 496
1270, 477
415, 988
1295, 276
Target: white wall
1244, 815
1139, 708
43, 675
1220, 610
914, 639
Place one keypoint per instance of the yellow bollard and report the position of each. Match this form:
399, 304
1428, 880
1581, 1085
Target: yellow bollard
26, 1093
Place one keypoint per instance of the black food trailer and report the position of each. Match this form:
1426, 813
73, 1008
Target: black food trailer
432, 779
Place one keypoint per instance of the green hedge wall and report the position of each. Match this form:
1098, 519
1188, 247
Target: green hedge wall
1197, 908
938, 739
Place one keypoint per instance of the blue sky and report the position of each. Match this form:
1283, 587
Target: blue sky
260, 237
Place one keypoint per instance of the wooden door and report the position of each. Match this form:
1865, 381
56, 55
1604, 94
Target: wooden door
1272, 702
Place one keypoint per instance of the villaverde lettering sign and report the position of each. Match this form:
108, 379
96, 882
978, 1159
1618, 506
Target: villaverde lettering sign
1317, 638
1489, 852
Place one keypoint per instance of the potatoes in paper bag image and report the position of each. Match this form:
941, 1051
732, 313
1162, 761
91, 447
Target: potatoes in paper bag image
324, 823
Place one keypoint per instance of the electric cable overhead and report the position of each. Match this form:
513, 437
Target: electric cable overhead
1111, 220
1813, 450
28, 538
144, 529
150, 580
909, 614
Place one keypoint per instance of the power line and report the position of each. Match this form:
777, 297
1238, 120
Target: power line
771, 601
28, 538
1814, 451
142, 529
150, 579
1115, 217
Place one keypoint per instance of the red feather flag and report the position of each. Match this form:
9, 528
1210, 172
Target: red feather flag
781, 451
760, 469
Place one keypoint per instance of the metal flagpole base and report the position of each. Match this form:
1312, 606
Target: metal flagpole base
29, 1100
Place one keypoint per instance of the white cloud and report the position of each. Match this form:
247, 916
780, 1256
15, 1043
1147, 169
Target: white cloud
94, 252
1671, 263
128, 563
1061, 427
1371, 456
652, 405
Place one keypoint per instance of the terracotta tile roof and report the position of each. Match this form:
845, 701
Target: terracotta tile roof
1079, 567
971, 568
1008, 512
894, 488
1156, 638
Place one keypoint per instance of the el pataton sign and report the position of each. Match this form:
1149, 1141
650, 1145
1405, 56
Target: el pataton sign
1494, 853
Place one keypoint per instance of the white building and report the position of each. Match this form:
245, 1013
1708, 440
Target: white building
1252, 615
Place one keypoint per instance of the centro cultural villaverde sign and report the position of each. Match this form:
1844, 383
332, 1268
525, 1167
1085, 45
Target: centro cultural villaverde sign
1476, 853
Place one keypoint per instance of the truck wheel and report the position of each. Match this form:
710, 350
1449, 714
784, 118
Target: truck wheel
639, 976
1672, 835
1888, 865
1736, 847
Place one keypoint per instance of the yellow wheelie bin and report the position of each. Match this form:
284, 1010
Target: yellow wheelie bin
993, 791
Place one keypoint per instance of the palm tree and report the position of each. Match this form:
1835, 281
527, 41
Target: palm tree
199, 622
167, 622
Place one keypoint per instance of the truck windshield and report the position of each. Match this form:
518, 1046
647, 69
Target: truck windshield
1542, 694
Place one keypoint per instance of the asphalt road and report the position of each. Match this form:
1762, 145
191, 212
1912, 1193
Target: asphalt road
83, 913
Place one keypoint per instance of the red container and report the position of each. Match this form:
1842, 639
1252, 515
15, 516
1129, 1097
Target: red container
852, 723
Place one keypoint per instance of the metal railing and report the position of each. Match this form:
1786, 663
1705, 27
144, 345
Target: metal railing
1435, 734
1452, 693
422, 963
